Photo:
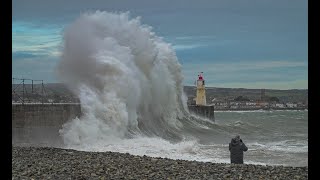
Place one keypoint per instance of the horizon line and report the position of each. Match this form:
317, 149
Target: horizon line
195, 86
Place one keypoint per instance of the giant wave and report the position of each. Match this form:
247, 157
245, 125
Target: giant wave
129, 80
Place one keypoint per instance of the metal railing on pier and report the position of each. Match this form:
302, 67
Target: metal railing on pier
23, 88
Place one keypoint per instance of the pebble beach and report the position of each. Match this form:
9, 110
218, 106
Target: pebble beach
56, 163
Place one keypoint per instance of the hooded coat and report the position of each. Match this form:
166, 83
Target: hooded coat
236, 148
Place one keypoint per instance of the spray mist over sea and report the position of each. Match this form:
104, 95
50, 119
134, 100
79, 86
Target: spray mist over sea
129, 82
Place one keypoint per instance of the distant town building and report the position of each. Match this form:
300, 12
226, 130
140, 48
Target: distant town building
279, 105
251, 103
291, 105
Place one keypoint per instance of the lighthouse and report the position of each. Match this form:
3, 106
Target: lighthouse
201, 108
201, 91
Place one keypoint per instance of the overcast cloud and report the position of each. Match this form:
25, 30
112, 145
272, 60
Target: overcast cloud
247, 43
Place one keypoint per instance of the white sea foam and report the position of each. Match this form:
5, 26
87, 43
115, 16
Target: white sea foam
128, 80
281, 146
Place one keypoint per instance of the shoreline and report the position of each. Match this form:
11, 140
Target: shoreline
57, 163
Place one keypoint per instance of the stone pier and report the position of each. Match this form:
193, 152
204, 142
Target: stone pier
202, 111
40, 123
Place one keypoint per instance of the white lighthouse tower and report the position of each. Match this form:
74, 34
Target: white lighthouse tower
201, 108
201, 91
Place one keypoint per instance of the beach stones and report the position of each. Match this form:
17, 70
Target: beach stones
55, 163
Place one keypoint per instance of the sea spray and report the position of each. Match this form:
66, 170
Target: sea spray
129, 81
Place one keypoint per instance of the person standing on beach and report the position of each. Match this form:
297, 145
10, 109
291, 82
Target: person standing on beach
236, 148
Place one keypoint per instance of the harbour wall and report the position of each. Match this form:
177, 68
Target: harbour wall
55, 115
40, 123
203, 111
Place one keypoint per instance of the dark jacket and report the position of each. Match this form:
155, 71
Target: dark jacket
236, 148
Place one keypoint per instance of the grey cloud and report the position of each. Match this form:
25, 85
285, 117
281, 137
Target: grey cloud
34, 8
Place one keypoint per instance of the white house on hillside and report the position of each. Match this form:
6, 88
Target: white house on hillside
291, 105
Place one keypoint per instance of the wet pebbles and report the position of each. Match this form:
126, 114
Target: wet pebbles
55, 163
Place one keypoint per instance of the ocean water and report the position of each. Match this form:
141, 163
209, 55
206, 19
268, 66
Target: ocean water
272, 138
130, 85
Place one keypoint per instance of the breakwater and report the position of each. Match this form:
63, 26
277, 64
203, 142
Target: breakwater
203, 111
43, 114
40, 122
55, 115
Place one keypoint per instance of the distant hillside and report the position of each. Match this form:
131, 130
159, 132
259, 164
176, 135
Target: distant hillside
294, 95
59, 92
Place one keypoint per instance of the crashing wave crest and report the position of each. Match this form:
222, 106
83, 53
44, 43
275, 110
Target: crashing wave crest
129, 81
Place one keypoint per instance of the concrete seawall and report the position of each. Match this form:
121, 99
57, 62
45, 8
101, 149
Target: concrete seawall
43, 115
37, 124
203, 111
40, 123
